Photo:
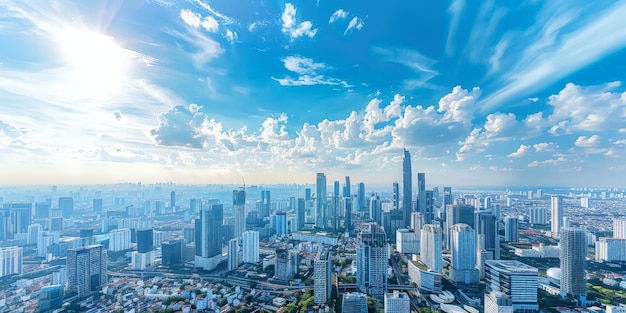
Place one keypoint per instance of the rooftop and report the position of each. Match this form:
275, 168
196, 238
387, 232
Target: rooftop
511, 266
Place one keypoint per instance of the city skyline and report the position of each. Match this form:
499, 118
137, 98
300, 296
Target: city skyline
207, 92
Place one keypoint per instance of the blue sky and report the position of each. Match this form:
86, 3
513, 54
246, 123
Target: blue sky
515, 93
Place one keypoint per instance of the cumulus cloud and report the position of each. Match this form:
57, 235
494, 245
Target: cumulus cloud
191, 18
587, 142
231, 35
521, 151
338, 15
291, 26
210, 24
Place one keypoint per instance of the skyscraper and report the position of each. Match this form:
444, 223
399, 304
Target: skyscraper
266, 204
376, 209
619, 227
463, 245
86, 269
233, 254
354, 302
173, 200
487, 233
371, 276
573, 263
322, 274
66, 205
119, 239
431, 253
300, 213
556, 209
361, 197
97, 205
407, 187
511, 229
250, 246
145, 240
172, 252
457, 214
347, 197
421, 197
447, 196
208, 236
515, 279
429, 203
320, 209
239, 205
396, 195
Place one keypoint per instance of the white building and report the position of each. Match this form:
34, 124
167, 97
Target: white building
10, 261
119, 239
250, 246
140, 261
397, 302
498, 302
611, 249
619, 227
517, 280
322, 274
33, 233
573, 262
584, 202
538, 216
233, 254
431, 252
463, 244
407, 241
556, 209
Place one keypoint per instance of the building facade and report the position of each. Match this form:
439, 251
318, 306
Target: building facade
86, 269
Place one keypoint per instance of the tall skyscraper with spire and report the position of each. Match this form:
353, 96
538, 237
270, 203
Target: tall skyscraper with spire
407, 188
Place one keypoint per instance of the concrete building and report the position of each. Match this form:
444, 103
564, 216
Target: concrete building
407, 241
250, 246
208, 236
10, 261
619, 227
573, 263
498, 302
50, 298
321, 219
611, 250
431, 252
463, 261
511, 229
538, 216
172, 252
407, 187
322, 276
233, 254
119, 240
397, 302
86, 269
239, 206
515, 279
556, 209
372, 261
354, 302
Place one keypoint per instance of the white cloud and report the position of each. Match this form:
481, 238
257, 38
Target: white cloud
421, 65
521, 151
587, 142
455, 10
210, 24
338, 15
309, 73
545, 146
292, 28
231, 35
355, 23
191, 18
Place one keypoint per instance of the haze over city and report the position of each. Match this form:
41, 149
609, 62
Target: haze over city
207, 92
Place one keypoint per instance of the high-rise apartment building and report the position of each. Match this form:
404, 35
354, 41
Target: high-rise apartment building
239, 205
407, 187
556, 209
619, 227
119, 239
86, 269
511, 229
573, 263
322, 276
457, 214
487, 238
431, 252
209, 236
515, 279
10, 261
233, 254
372, 261
66, 206
538, 216
463, 262
250, 245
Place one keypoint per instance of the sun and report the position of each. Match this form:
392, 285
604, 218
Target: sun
94, 61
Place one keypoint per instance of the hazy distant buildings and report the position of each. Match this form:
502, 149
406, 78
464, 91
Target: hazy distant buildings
511, 228
430, 247
538, 216
515, 279
372, 261
86, 269
66, 206
556, 209
119, 239
573, 263
407, 188
10, 261
208, 236
97, 205
322, 276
